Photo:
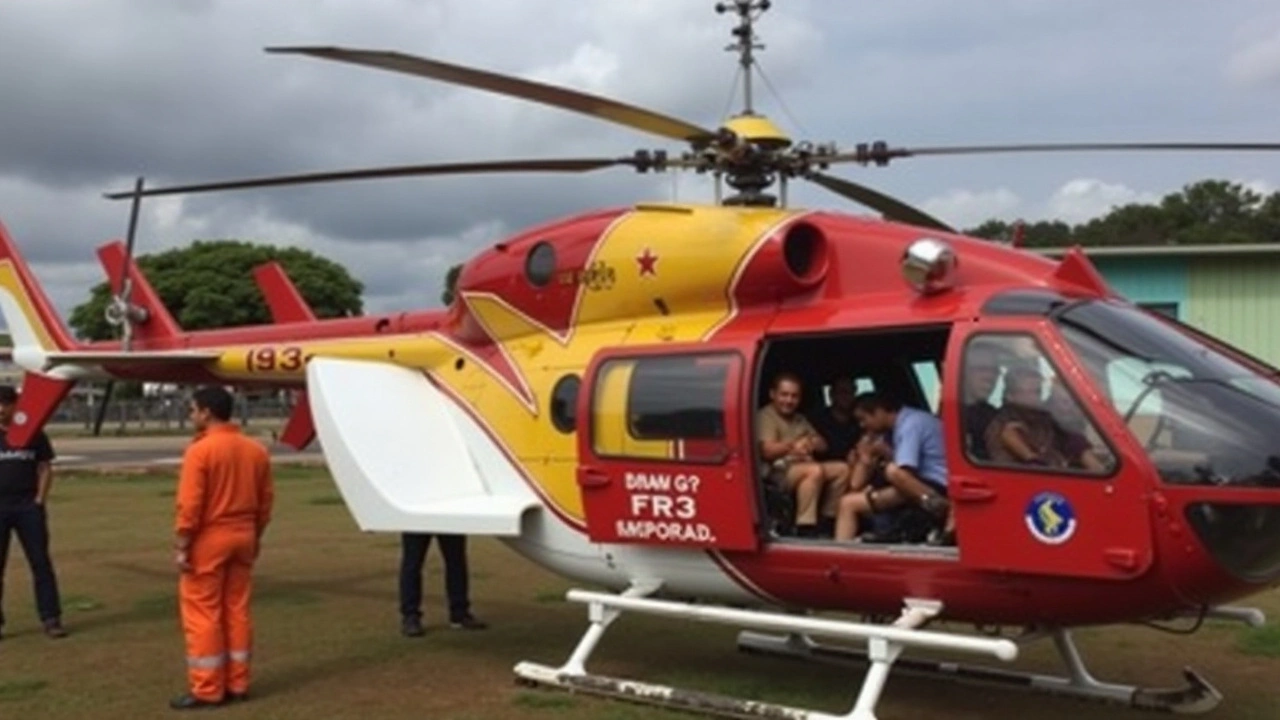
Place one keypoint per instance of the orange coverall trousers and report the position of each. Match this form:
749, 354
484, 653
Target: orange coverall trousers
214, 601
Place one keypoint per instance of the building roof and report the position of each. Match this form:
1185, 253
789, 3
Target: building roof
1169, 250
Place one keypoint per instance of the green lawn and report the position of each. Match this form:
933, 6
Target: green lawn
328, 647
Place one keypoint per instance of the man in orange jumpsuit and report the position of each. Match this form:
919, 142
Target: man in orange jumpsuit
224, 503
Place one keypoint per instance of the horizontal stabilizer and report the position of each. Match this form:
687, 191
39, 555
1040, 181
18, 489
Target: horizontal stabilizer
399, 457
135, 357
283, 299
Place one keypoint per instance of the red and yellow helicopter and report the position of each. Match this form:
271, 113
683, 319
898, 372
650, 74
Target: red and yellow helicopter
591, 396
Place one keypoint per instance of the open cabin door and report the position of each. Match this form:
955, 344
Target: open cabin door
662, 457
1076, 506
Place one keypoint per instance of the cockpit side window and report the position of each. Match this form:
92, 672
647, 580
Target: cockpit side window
1018, 411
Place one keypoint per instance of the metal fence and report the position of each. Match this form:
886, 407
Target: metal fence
161, 413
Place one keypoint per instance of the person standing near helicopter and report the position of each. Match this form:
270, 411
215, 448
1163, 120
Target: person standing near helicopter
413, 556
224, 503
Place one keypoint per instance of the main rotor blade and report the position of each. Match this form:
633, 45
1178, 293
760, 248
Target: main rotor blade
634, 117
889, 207
880, 154
565, 165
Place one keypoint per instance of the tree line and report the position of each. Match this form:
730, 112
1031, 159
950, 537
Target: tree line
1209, 212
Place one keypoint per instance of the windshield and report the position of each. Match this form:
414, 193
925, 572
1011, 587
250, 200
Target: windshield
1202, 417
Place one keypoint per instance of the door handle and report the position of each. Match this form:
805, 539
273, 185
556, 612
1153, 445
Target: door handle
971, 491
592, 478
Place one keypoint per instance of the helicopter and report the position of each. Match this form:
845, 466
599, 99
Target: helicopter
591, 398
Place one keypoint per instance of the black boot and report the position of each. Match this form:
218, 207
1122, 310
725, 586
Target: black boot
411, 626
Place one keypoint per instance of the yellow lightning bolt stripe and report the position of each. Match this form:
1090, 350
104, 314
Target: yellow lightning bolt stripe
11, 282
699, 251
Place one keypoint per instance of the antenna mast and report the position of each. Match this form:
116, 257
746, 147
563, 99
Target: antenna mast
745, 40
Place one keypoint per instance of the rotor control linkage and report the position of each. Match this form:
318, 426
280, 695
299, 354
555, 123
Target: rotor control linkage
885, 643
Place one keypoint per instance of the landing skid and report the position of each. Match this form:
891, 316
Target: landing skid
885, 643
1198, 696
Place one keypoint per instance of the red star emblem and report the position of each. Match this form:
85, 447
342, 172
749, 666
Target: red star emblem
648, 263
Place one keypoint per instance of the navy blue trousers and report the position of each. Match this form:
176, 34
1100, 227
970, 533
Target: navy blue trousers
30, 523
413, 556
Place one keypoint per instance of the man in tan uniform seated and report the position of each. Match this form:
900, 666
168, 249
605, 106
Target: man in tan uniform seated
788, 443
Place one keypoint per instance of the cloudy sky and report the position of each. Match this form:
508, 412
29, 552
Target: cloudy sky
96, 92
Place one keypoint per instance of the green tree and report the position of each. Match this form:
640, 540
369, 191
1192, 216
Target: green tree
992, 229
1203, 213
1213, 211
450, 284
209, 284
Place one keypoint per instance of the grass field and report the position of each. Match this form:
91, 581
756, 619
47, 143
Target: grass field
327, 642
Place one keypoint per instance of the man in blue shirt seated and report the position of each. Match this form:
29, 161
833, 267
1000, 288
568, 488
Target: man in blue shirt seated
914, 463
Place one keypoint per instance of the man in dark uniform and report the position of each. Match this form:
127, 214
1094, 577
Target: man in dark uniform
837, 424
413, 556
25, 477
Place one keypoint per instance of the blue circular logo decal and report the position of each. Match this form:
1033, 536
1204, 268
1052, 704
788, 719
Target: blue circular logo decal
1050, 518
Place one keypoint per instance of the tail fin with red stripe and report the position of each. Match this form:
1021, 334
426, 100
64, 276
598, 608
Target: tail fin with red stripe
34, 327
36, 333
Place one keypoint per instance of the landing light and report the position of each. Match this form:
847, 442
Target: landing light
929, 266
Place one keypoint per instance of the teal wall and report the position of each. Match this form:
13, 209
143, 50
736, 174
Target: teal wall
1235, 298
1148, 279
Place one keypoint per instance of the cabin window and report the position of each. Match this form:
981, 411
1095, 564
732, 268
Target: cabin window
929, 379
564, 403
668, 407
1018, 411
540, 265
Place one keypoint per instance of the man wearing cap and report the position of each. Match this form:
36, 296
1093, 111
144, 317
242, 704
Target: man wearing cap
25, 477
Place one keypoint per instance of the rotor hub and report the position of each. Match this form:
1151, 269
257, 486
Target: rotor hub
121, 312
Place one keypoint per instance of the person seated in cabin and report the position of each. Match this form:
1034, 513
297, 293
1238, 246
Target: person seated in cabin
790, 445
914, 464
1025, 430
837, 425
981, 371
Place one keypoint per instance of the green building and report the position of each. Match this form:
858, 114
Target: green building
1229, 291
